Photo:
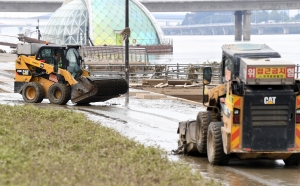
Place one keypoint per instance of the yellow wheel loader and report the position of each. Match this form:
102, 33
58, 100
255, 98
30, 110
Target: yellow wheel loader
56, 73
254, 111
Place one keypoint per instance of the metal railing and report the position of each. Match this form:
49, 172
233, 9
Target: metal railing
137, 73
109, 54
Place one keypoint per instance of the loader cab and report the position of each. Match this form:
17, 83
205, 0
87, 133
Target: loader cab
48, 54
69, 57
232, 54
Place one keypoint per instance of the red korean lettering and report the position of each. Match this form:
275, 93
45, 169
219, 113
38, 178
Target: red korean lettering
281, 70
290, 72
251, 73
274, 70
260, 70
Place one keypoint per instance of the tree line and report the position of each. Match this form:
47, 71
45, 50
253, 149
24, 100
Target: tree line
261, 16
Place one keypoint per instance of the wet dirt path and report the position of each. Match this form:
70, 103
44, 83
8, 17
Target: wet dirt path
154, 122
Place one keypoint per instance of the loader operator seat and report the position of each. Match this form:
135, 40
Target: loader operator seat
57, 57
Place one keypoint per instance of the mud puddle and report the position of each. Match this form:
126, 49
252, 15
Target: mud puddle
155, 122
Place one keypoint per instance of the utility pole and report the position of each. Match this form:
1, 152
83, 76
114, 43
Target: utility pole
127, 51
38, 30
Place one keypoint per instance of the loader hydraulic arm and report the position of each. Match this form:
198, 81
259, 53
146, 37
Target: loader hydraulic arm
24, 62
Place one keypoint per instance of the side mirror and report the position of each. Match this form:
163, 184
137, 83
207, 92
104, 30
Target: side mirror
207, 74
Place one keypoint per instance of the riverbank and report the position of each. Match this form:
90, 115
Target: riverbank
40, 147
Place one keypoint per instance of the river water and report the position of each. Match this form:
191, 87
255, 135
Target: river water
200, 48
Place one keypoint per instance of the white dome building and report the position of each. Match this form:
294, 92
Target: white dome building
100, 22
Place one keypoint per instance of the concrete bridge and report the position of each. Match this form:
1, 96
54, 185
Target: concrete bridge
162, 5
242, 8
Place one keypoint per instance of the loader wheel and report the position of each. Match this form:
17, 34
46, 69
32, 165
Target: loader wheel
33, 92
292, 160
215, 151
202, 122
59, 94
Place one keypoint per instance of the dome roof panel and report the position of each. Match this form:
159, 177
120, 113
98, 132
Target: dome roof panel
104, 16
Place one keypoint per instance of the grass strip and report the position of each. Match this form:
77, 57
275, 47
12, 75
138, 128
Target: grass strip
48, 146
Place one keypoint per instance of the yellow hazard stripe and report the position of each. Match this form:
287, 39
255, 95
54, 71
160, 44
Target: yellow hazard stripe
298, 102
235, 137
297, 137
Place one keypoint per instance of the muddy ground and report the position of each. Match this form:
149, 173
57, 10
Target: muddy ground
154, 122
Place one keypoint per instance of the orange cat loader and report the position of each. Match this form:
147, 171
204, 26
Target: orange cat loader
254, 112
41, 74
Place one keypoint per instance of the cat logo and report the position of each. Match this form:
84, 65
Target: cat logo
269, 100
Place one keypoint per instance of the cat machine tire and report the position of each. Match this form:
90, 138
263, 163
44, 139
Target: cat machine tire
204, 118
33, 92
215, 151
293, 160
59, 94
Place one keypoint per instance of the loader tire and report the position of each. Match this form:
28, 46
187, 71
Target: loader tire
293, 160
203, 120
33, 92
215, 151
59, 94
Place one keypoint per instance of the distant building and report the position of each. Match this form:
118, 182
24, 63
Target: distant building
169, 19
101, 22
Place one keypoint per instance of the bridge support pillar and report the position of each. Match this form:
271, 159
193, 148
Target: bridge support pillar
286, 30
201, 31
225, 31
238, 25
260, 31
246, 25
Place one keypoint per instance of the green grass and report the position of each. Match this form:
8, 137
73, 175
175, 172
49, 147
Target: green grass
41, 146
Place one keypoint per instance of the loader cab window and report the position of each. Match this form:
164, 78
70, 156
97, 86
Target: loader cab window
45, 54
72, 58
227, 64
